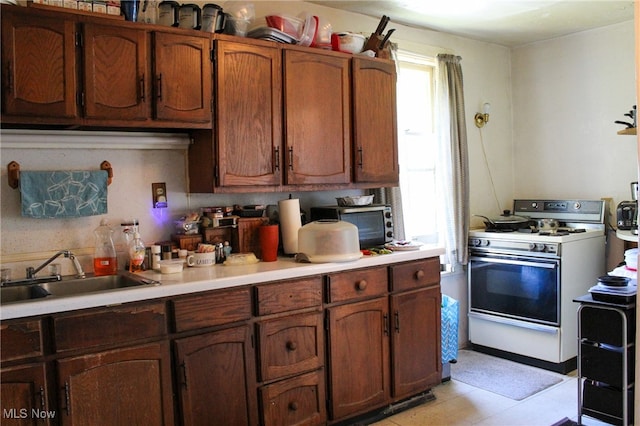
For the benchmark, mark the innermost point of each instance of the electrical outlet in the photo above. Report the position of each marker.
(159, 195)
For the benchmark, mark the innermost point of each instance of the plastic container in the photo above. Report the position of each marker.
(287, 24)
(105, 261)
(347, 42)
(328, 240)
(136, 253)
(172, 266)
(308, 33)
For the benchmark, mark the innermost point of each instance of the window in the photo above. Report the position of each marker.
(417, 147)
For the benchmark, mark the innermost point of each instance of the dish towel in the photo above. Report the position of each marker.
(63, 194)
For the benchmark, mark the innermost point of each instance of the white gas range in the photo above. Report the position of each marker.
(522, 283)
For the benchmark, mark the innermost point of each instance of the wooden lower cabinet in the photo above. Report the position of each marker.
(129, 386)
(415, 341)
(24, 396)
(359, 376)
(215, 375)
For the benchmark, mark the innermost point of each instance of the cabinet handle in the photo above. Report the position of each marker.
(420, 274)
(291, 158)
(293, 406)
(277, 158)
(160, 87)
(397, 318)
(184, 374)
(142, 89)
(291, 346)
(360, 157)
(67, 399)
(9, 77)
(42, 400)
(361, 285)
(385, 319)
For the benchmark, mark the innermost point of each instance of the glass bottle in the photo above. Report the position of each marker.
(105, 261)
(136, 254)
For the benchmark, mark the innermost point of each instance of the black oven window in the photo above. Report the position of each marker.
(517, 290)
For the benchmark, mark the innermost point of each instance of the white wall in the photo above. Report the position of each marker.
(567, 93)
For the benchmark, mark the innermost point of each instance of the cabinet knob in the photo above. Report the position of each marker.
(419, 274)
(293, 406)
(361, 285)
(292, 346)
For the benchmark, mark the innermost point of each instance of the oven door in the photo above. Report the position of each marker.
(514, 286)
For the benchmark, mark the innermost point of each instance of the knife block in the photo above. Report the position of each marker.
(372, 43)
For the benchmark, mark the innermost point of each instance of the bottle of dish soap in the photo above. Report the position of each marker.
(136, 253)
(105, 261)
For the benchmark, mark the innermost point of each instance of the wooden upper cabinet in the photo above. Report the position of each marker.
(182, 77)
(38, 65)
(116, 73)
(248, 114)
(375, 122)
(317, 98)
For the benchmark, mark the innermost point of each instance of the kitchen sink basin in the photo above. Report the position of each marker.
(71, 286)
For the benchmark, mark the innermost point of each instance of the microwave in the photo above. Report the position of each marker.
(374, 222)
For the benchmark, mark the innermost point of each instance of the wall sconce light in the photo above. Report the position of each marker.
(482, 118)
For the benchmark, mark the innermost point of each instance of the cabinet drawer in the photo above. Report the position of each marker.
(20, 339)
(605, 325)
(604, 364)
(290, 345)
(212, 309)
(605, 402)
(289, 295)
(357, 284)
(421, 273)
(109, 326)
(297, 401)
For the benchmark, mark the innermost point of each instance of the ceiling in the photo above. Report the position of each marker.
(507, 22)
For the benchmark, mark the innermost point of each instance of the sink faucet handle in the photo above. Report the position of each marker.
(79, 272)
(31, 272)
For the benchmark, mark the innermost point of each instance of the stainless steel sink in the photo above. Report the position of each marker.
(72, 286)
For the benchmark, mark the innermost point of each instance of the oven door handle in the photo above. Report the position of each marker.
(552, 265)
(521, 324)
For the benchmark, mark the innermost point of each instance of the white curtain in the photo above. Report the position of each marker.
(452, 170)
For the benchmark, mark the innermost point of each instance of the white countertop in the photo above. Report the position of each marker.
(626, 235)
(192, 280)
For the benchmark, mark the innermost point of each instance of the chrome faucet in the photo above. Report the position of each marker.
(31, 272)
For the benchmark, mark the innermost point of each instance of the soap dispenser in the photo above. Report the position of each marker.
(136, 253)
(105, 261)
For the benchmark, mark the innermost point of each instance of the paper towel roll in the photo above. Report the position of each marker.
(290, 222)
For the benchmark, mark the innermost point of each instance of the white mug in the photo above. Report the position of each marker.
(201, 259)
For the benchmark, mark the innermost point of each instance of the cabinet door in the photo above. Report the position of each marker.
(416, 341)
(116, 73)
(358, 357)
(38, 65)
(317, 103)
(248, 114)
(375, 121)
(24, 396)
(217, 378)
(182, 78)
(130, 386)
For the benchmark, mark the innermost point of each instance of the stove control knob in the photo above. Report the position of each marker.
(577, 205)
(474, 242)
(534, 205)
(540, 247)
(532, 247)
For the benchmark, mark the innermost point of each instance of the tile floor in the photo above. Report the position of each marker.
(459, 404)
